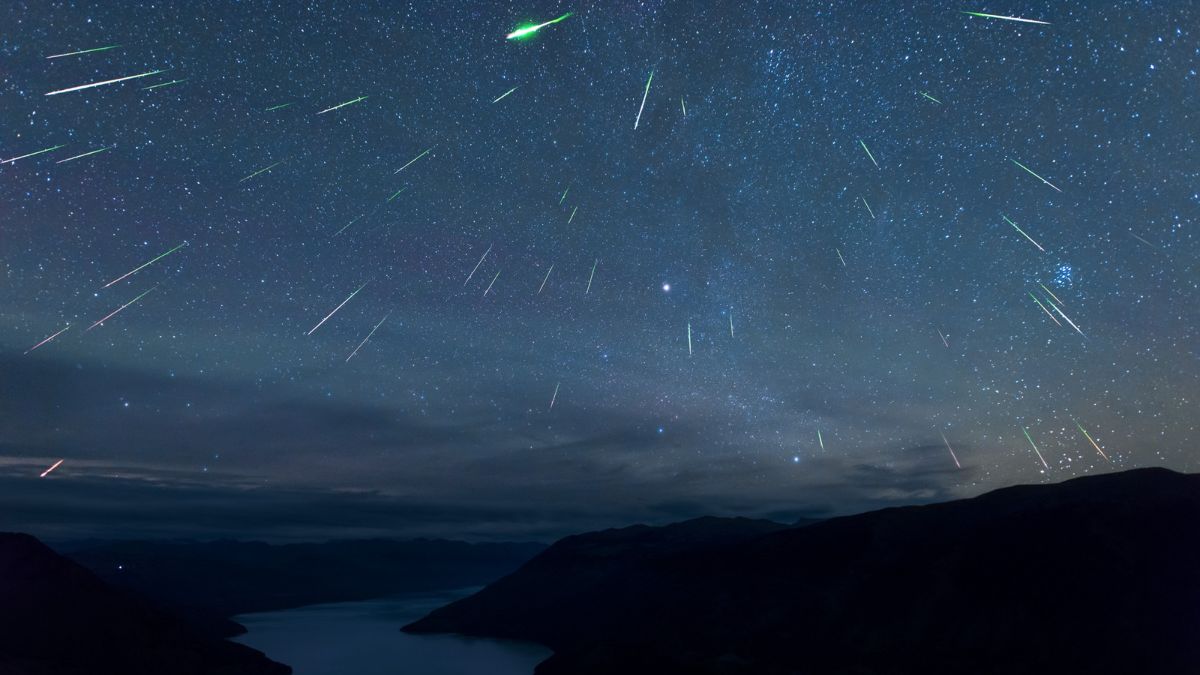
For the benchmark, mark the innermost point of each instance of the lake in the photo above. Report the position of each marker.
(364, 638)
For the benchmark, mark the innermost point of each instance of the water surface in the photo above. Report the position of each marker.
(364, 638)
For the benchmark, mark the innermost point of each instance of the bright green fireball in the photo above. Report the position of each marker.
(525, 31)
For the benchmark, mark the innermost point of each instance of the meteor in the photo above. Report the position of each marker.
(544, 279)
(943, 338)
(593, 276)
(926, 95)
(52, 467)
(63, 161)
(163, 84)
(343, 105)
(560, 199)
(572, 215)
(1089, 437)
(527, 30)
(952, 455)
(868, 151)
(1023, 233)
(731, 322)
(47, 339)
(83, 51)
(644, 95)
(1142, 240)
(1006, 18)
(1051, 293)
(1031, 173)
(683, 105)
(489, 250)
(356, 219)
(360, 345)
(485, 291)
(101, 84)
(1065, 317)
(145, 265)
(555, 396)
(864, 201)
(1039, 304)
(264, 170)
(497, 99)
(117, 310)
(396, 194)
(840, 257)
(411, 161)
(32, 154)
(1035, 447)
(820, 440)
(335, 309)
(281, 106)
(689, 338)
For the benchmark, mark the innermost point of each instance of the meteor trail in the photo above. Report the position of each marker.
(943, 338)
(411, 161)
(1023, 233)
(145, 265)
(592, 276)
(497, 99)
(864, 201)
(47, 339)
(63, 161)
(360, 345)
(83, 51)
(1039, 304)
(1089, 437)
(864, 147)
(1031, 173)
(343, 105)
(689, 338)
(572, 215)
(820, 440)
(115, 311)
(840, 257)
(1006, 18)
(489, 250)
(560, 199)
(396, 194)
(644, 95)
(952, 455)
(544, 279)
(1142, 240)
(731, 322)
(1051, 293)
(101, 84)
(529, 29)
(281, 106)
(485, 291)
(263, 170)
(163, 84)
(926, 95)
(335, 309)
(52, 467)
(1035, 447)
(555, 396)
(683, 105)
(356, 219)
(1065, 317)
(32, 154)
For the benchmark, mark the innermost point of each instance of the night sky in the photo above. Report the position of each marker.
(817, 192)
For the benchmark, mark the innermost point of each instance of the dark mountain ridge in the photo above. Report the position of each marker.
(1098, 574)
(57, 618)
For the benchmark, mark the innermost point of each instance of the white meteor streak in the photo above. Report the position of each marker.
(644, 95)
(115, 311)
(593, 276)
(52, 467)
(544, 279)
(485, 292)
(689, 338)
(366, 339)
(47, 339)
(952, 455)
(32, 154)
(555, 396)
(335, 309)
(485, 253)
(1007, 18)
(101, 84)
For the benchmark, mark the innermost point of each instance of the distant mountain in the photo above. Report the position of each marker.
(57, 618)
(208, 582)
(1094, 575)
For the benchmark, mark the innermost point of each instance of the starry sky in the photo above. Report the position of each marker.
(813, 273)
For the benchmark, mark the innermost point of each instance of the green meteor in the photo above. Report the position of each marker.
(32, 154)
(145, 265)
(163, 84)
(560, 200)
(343, 105)
(411, 161)
(1035, 447)
(62, 161)
(1023, 233)
(926, 95)
(497, 100)
(868, 151)
(523, 32)
(279, 107)
(397, 194)
(264, 170)
(1031, 173)
(84, 51)
(1006, 18)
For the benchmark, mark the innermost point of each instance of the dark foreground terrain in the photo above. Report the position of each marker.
(57, 618)
(208, 582)
(1094, 575)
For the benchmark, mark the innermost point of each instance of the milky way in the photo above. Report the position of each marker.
(931, 230)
